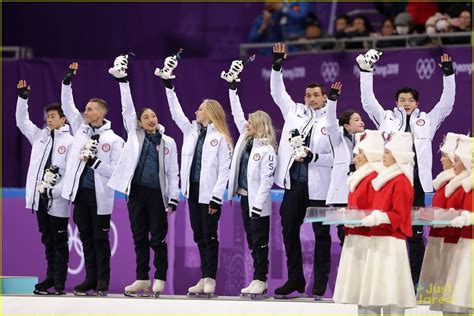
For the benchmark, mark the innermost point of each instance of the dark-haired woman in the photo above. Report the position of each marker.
(147, 172)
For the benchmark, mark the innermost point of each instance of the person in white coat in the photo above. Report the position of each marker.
(305, 180)
(205, 162)
(251, 177)
(147, 171)
(94, 154)
(44, 181)
(407, 117)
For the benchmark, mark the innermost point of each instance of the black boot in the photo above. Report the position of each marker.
(290, 286)
(102, 287)
(42, 287)
(85, 287)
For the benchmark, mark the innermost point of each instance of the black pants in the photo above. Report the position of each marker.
(204, 227)
(257, 230)
(292, 213)
(148, 216)
(54, 238)
(416, 243)
(94, 234)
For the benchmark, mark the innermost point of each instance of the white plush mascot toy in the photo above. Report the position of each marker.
(119, 70)
(50, 178)
(367, 60)
(90, 148)
(233, 74)
(170, 64)
(297, 143)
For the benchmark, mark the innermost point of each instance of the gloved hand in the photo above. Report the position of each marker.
(309, 156)
(71, 72)
(50, 178)
(90, 148)
(233, 74)
(119, 70)
(255, 213)
(22, 89)
(335, 91)
(464, 219)
(215, 206)
(279, 56)
(446, 65)
(171, 207)
(376, 218)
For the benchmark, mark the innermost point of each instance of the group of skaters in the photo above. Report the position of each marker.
(322, 159)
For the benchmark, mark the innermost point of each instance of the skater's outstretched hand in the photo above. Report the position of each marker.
(335, 91)
(71, 72)
(279, 56)
(23, 90)
(446, 65)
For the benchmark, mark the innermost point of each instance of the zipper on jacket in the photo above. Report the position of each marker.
(37, 173)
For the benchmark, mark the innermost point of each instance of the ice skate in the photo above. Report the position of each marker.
(209, 287)
(285, 291)
(158, 287)
(43, 287)
(139, 288)
(258, 290)
(245, 292)
(196, 290)
(102, 288)
(86, 288)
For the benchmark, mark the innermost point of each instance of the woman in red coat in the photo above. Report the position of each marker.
(368, 160)
(458, 296)
(432, 259)
(387, 281)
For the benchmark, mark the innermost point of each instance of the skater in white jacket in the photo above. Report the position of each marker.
(147, 171)
(205, 161)
(44, 181)
(305, 177)
(251, 177)
(407, 117)
(94, 154)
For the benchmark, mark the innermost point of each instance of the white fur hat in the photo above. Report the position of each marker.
(449, 145)
(464, 151)
(371, 143)
(400, 145)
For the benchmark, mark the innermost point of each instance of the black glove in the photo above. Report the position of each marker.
(233, 85)
(124, 79)
(352, 168)
(255, 212)
(447, 68)
(168, 83)
(214, 205)
(23, 92)
(172, 206)
(68, 76)
(91, 161)
(309, 157)
(278, 59)
(333, 94)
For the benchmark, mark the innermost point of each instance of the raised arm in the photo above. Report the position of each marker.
(23, 122)
(446, 103)
(332, 123)
(176, 110)
(237, 112)
(67, 100)
(277, 86)
(370, 104)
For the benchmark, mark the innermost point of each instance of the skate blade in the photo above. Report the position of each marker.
(259, 296)
(88, 293)
(101, 293)
(156, 295)
(289, 296)
(41, 292)
(201, 295)
(245, 295)
(136, 294)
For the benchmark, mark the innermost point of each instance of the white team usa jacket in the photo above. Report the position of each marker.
(41, 142)
(338, 188)
(297, 116)
(108, 153)
(261, 165)
(167, 154)
(216, 158)
(423, 125)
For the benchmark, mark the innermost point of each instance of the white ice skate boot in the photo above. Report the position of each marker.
(138, 288)
(209, 287)
(158, 287)
(197, 289)
(258, 290)
(367, 61)
(245, 292)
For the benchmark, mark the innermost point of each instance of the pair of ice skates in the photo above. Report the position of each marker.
(141, 288)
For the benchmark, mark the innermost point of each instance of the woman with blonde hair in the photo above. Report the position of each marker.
(205, 161)
(251, 177)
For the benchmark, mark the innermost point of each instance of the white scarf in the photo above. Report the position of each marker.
(455, 183)
(442, 178)
(386, 175)
(354, 179)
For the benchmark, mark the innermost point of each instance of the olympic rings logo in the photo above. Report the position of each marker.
(329, 71)
(75, 242)
(425, 67)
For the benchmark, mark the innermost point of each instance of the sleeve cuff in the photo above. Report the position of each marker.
(216, 200)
